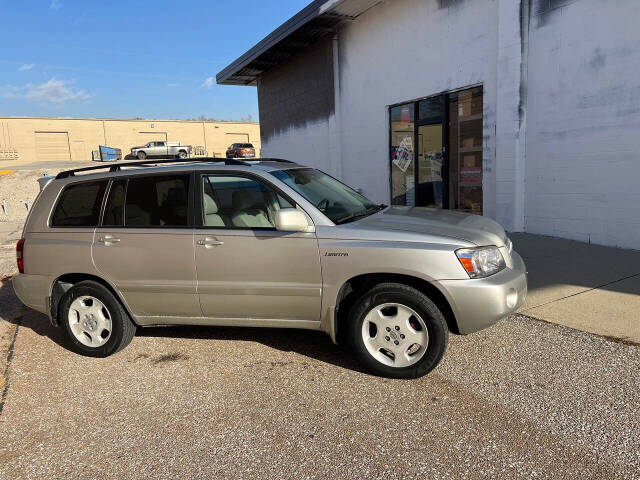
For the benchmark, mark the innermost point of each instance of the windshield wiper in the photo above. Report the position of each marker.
(352, 216)
(364, 213)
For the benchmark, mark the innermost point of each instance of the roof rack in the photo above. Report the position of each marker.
(150, 163)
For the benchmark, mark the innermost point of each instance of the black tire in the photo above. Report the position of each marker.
(123, 329)
(422, 305)
(141, 155)
(182, 154)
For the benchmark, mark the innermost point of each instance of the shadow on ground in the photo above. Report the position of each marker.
(312, 344)
(556, 262)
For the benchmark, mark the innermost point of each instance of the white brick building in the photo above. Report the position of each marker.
(527, 111)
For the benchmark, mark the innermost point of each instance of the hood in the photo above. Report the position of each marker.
(435, 222)
(143, 146)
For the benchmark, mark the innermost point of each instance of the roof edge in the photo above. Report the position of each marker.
(343, 9)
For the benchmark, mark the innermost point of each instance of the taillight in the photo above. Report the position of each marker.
(242, 151)
(20, 255)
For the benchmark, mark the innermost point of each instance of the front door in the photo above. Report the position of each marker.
(430, 166)
(144, 246)
(157, 149)
(247, 270)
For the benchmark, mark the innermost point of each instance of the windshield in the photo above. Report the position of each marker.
(333, 198)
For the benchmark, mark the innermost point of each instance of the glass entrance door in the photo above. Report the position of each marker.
(430, 166)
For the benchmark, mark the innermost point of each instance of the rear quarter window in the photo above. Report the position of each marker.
(79, 205)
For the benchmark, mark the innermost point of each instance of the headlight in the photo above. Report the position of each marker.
(482, 261)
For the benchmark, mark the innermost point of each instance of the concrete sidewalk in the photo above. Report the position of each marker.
(587, 287)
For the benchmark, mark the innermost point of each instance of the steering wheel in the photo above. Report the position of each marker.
(323, 204)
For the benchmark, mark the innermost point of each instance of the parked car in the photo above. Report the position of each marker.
(266, 244)
(241, 150)
(162, 149)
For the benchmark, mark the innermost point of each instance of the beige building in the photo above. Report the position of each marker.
(25, 140)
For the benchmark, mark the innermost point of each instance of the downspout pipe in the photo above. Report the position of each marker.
(521, 146)
(337, 110)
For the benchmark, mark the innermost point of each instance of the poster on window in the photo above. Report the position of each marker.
(403, 154)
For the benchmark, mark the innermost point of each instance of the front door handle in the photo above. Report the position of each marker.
(108, 240)
(210, 242)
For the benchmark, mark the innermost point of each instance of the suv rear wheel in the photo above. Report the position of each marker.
(94, 321)
(398, 332)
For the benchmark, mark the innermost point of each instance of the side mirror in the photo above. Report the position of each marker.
(292, 220)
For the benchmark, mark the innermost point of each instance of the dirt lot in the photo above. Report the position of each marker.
(523, 399)
(16, 189)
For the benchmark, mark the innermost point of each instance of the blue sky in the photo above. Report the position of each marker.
(124, 59)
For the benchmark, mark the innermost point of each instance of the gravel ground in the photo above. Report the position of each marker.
(523, 399)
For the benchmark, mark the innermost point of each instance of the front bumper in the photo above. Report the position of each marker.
(479, 303)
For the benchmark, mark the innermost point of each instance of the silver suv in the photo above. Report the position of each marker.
(263, 244)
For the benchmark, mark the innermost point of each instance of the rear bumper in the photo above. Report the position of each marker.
(479, 303)
(33, 291)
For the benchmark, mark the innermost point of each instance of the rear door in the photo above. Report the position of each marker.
(144, 246)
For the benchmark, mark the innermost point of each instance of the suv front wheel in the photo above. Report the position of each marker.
(94, 321)
(398, 332)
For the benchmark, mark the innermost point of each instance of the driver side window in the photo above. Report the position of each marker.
(237, 202)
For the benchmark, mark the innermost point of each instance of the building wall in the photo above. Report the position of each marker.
(561, 107)
(298, 93)
(19, 137)
(583, 121)
(401, 51)
(297, 109)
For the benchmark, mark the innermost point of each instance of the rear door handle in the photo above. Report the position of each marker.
(210, 242)
(108, 240)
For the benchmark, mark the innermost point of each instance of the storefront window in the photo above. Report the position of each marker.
(402, 152)
(465, 150)
(448, 132)
(431, 109)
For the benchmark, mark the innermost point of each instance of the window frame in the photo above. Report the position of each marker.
(417, 123)
(190, 200)
(61, 195)
(199, 192)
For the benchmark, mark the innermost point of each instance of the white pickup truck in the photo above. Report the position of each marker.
(162, 149)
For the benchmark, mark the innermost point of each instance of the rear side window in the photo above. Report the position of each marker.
(114, 209)
(79, 205)
(157, 201)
